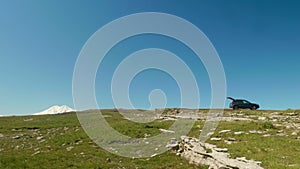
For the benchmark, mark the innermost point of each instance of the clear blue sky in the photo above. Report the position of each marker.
(258, 42)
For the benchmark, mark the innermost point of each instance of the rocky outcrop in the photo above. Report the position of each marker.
(200, 153)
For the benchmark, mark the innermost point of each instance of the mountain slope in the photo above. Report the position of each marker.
(56, 110)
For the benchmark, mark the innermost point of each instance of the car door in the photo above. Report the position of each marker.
(246, 104)
(239, 103)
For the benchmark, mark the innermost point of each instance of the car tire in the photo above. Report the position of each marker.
(235, 107)
(253, 108)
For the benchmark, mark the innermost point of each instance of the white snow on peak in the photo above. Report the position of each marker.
(56, 110)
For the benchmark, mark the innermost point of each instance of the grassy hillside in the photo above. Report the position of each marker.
(58, 141)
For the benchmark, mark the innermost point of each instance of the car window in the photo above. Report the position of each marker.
(245, 102)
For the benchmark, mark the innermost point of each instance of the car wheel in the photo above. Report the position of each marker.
(253, 108)
(235, 107)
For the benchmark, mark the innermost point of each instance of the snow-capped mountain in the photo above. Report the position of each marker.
(55, 110)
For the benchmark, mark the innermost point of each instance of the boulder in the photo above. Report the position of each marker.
(207, 154)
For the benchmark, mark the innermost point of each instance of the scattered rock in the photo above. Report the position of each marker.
(16, 137)
(228, 142)
(281, 134)
(238, 132)
(147, 135)
(17, 147)
(294, 133)
(196, 152)
(230, 119)
(209, 133)
(27, 120)
(277, 125)
(231, 139)
(42, 141)
(1, 135)
(167, 118)
(166, 131)
(255, 131)
(241, 158)
(38, 152)
(108, 160)
(262, 118)
(77, 142)
(173, 144)
(260, 132)
(69, 148)
(40, 138)
(225, 131)
(221, 149)
(215, 139)
(292, 114)
(153, 155)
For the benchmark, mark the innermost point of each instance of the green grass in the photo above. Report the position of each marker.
(276, 152)
(62, 131)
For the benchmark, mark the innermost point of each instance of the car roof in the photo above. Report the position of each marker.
(241, 100)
